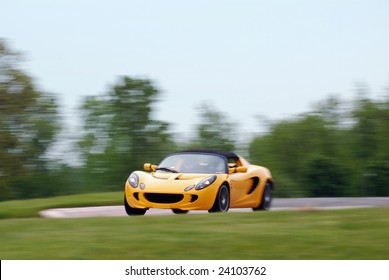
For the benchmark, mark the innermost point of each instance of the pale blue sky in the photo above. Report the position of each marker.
(273, 58)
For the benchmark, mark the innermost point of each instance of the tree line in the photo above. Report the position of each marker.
(336, 149)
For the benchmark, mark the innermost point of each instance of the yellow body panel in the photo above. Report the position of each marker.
(246, 189)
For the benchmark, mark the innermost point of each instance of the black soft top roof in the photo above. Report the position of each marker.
(216, 152)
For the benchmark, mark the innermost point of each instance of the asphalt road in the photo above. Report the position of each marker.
(279, 204)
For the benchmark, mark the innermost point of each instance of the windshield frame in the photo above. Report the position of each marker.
(194, 163)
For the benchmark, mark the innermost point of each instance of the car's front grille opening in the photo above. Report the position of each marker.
(163, 197)
(136, 195)
(194, 197)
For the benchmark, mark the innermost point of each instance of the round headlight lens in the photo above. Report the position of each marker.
(133, 180)
(206, 182)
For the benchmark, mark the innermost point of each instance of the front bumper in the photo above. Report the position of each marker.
(171, 198)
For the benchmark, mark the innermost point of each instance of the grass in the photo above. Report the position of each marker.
(339, 234)
(30, 208)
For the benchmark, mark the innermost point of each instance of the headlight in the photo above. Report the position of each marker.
(188, 188)
(205, 182)
(133, 180)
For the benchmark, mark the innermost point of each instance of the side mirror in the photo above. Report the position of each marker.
(240, 169)
(149, 167)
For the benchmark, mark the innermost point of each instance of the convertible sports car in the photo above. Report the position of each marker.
(199, 180)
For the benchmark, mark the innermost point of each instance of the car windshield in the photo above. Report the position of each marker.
(193, 163)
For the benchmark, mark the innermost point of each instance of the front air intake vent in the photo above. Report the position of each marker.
(254, 185)
(163, 197)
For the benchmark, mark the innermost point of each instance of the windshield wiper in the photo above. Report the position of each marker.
(166, 169)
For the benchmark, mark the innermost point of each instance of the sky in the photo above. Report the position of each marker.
(252, 60)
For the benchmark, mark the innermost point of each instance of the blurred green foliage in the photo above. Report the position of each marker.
(28, 125)
(215, 130)
(120, 133)
(336, 149)
(331, 151)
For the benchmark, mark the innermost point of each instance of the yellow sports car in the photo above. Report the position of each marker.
(199, 180)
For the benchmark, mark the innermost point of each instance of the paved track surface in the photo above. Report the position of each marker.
(279, 204)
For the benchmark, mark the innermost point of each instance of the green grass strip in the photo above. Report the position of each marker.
(338, 234)
(31, 207)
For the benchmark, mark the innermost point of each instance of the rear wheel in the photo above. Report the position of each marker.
(179, 211)
(266, 198)
(133, 211)
(222, 201)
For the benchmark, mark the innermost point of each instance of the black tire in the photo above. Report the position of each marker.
(222, 200)
(133, 211)
(266, 199)
(179, 211)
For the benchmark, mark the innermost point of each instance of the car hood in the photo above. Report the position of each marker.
(174, 180)
(178, 176)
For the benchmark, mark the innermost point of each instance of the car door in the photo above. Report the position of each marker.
(241, 186)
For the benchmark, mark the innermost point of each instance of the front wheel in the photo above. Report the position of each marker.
(265, 203)
(133, 211)
(222, 200)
